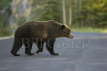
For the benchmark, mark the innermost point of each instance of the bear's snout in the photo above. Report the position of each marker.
(70, 36)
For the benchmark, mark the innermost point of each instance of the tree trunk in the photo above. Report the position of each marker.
(70, 12)
(64, 12)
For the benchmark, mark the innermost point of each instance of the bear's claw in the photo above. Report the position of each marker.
(55, 54)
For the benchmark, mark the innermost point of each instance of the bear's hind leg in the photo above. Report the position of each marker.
(16, 46)
(28, 46)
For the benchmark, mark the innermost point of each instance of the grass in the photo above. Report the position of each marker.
(89, 29)
(5, 32)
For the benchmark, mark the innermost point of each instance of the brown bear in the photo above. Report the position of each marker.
(39, 32)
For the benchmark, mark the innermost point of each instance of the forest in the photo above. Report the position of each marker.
(79, 15)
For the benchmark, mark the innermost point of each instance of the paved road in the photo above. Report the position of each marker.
(86, 52)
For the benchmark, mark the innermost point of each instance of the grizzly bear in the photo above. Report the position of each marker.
(39, 32)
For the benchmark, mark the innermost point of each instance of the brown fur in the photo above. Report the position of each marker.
(39, 32)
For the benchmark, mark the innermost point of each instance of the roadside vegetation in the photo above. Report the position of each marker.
(81, 15)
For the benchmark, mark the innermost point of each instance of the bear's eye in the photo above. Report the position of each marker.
(66, 31)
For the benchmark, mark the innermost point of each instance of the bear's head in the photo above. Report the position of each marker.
(65, 31)
(60, 30)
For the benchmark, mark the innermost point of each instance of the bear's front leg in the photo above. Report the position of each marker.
(50, 47)
(51, 51)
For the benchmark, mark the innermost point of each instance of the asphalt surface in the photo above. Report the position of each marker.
(86, 52)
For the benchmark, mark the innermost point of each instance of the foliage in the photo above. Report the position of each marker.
(85, 13)
(4, 3)
(51, 9)
(93, 13)
(4, 30)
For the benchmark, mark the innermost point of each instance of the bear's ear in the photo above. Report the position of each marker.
(63, 26)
